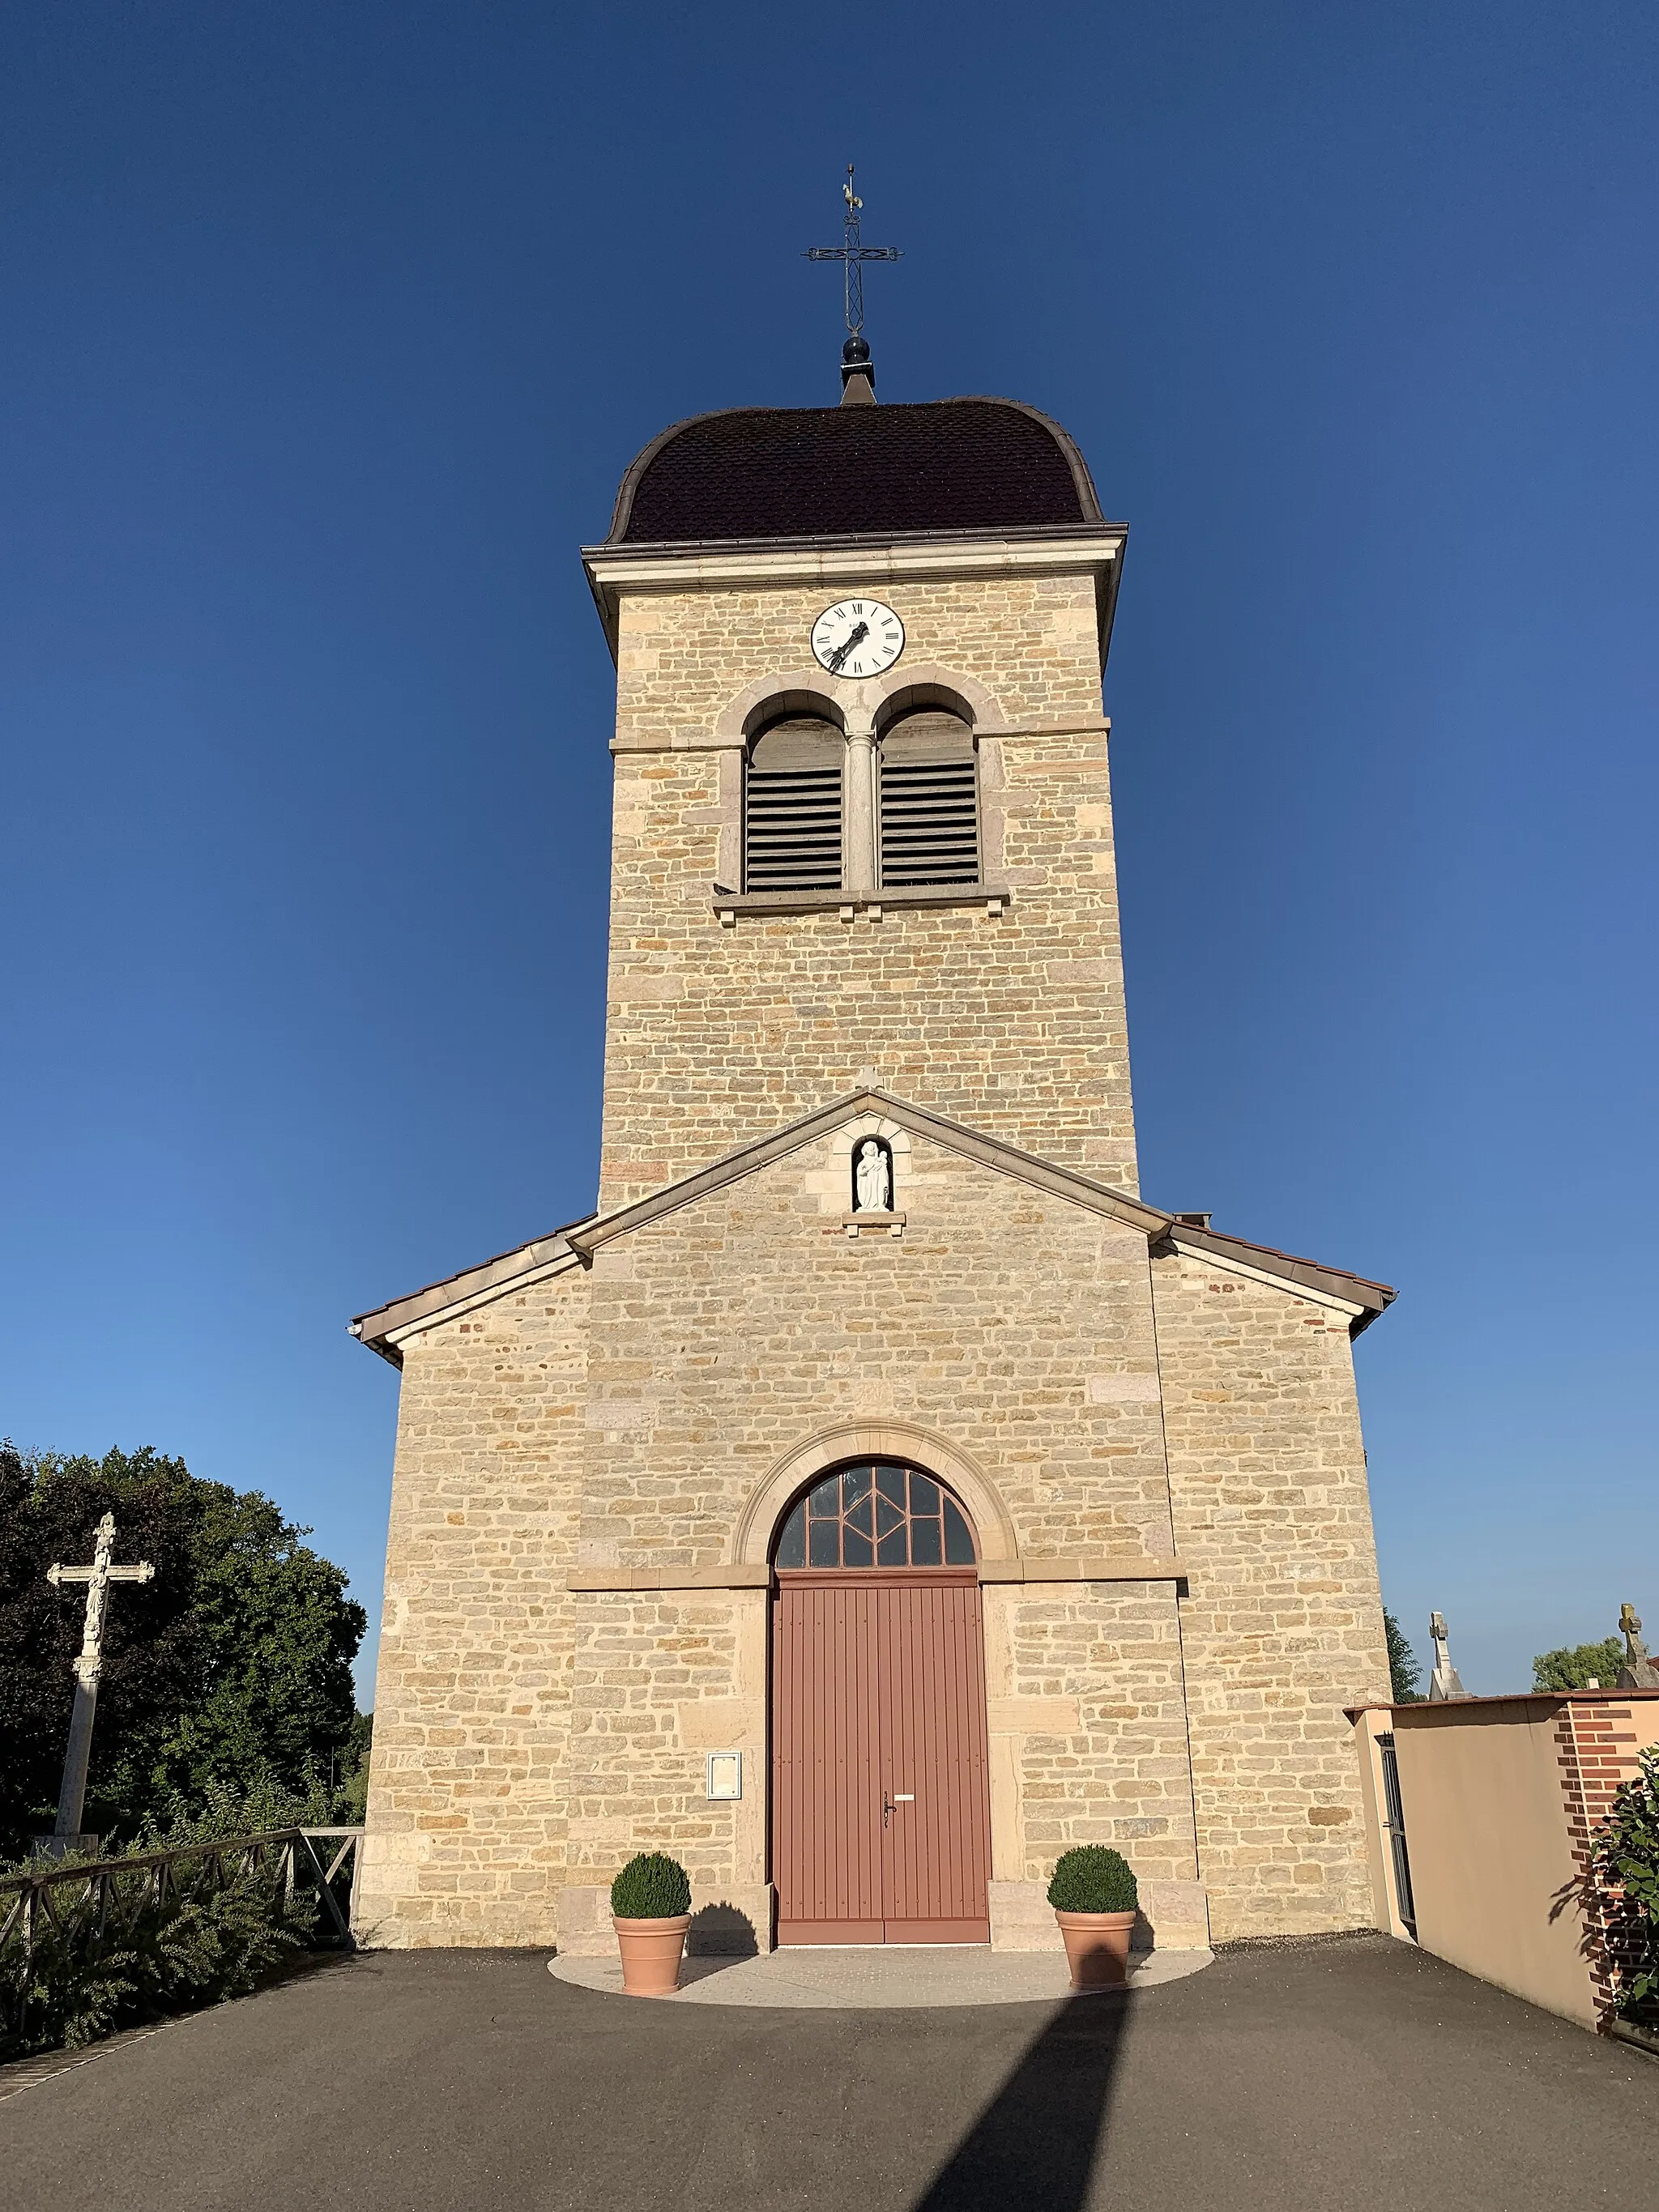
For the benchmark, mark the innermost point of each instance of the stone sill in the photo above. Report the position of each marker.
(1105, 1568)
(668, 1578)
(728, 905)
(893, 1223)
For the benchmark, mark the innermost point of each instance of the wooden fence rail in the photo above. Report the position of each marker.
(97, 1897)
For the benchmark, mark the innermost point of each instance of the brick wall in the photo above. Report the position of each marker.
(1597, 1742)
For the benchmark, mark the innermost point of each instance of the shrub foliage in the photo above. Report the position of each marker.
(213, 1935)
(651, 1887)
(1626, 1858)
(1576, 1665)
(1404, 1671)
(1092, 1879)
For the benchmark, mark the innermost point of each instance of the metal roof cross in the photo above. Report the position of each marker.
(853, 253)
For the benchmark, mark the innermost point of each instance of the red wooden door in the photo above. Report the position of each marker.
(880, 1786)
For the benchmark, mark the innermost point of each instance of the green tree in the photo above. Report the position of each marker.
(1576, 1665)
(1404, 1673)
(1625, 1855)
(232, 1667)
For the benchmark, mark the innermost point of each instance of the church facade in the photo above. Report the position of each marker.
(875, 1496)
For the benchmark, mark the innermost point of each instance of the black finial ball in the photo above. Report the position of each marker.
(856, 351)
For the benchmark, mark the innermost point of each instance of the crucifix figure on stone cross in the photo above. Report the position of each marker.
(858, 374)
(71, 1798)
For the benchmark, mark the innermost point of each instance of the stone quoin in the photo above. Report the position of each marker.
(1086, 1554)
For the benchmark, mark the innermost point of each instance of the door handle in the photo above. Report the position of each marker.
(889, 1805)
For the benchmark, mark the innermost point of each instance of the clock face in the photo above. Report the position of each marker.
(857, 637)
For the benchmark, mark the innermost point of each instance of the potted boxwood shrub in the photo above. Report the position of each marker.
(651, 1911)
(1093, 1894)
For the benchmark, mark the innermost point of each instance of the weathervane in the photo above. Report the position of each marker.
(853, 253)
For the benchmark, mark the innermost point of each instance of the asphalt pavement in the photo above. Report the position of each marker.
(1347, 2073)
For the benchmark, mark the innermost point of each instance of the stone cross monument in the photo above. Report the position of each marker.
(1638, 1671)
(1445, 1681)
(71, 1798)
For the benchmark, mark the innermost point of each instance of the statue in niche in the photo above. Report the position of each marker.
(873, 1178)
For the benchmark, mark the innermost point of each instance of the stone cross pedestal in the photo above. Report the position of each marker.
(1638, 1671)
(1445, 1681)
(72, 1797)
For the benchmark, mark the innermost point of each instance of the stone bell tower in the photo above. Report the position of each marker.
(874, 1497)
(863, 825)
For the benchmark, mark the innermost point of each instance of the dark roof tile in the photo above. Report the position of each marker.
(947, 465)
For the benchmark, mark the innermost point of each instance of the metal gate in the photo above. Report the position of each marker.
(1393, 1820)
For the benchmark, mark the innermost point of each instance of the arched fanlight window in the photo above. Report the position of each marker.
(877, 1514)
(929, 800)
(792, 806)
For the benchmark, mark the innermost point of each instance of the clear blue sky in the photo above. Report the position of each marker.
(328, 331)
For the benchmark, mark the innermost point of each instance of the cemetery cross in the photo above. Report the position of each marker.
(71, 1798)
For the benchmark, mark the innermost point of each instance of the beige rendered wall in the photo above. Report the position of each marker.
(1282, 1627)
(1014, 1024)
(1492, 1868)
(1485, 1786)
(467, 1793)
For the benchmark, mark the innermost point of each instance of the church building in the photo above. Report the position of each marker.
(875, 1495)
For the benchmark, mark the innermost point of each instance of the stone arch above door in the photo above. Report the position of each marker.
(752, 1536)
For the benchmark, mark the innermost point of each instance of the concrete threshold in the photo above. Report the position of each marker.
(879, 1976)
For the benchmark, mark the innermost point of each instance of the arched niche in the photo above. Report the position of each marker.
(877, 1439)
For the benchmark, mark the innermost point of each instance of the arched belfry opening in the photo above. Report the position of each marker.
(880, 1759)
(927, 809)
(791, 817)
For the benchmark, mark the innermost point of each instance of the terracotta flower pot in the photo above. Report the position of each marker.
(651, 1953)
(1096, 1948)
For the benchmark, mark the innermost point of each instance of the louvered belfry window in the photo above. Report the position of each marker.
(929, 811)
(792, 806)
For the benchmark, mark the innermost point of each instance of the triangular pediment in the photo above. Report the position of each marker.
(917, 1121)
(574, 1245)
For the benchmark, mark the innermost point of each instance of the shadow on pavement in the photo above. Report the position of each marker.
(1034, 2142)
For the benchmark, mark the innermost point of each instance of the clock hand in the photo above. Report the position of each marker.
(859, 631)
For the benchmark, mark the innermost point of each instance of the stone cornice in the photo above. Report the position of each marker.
(1093, 550)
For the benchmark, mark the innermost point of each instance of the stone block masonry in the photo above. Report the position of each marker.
(1014, 1024)
(530, 1736)
(1282, 1627)
(1179, 1595)
(467, 1811)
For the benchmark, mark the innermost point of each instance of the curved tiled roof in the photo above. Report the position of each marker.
(860, 472)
